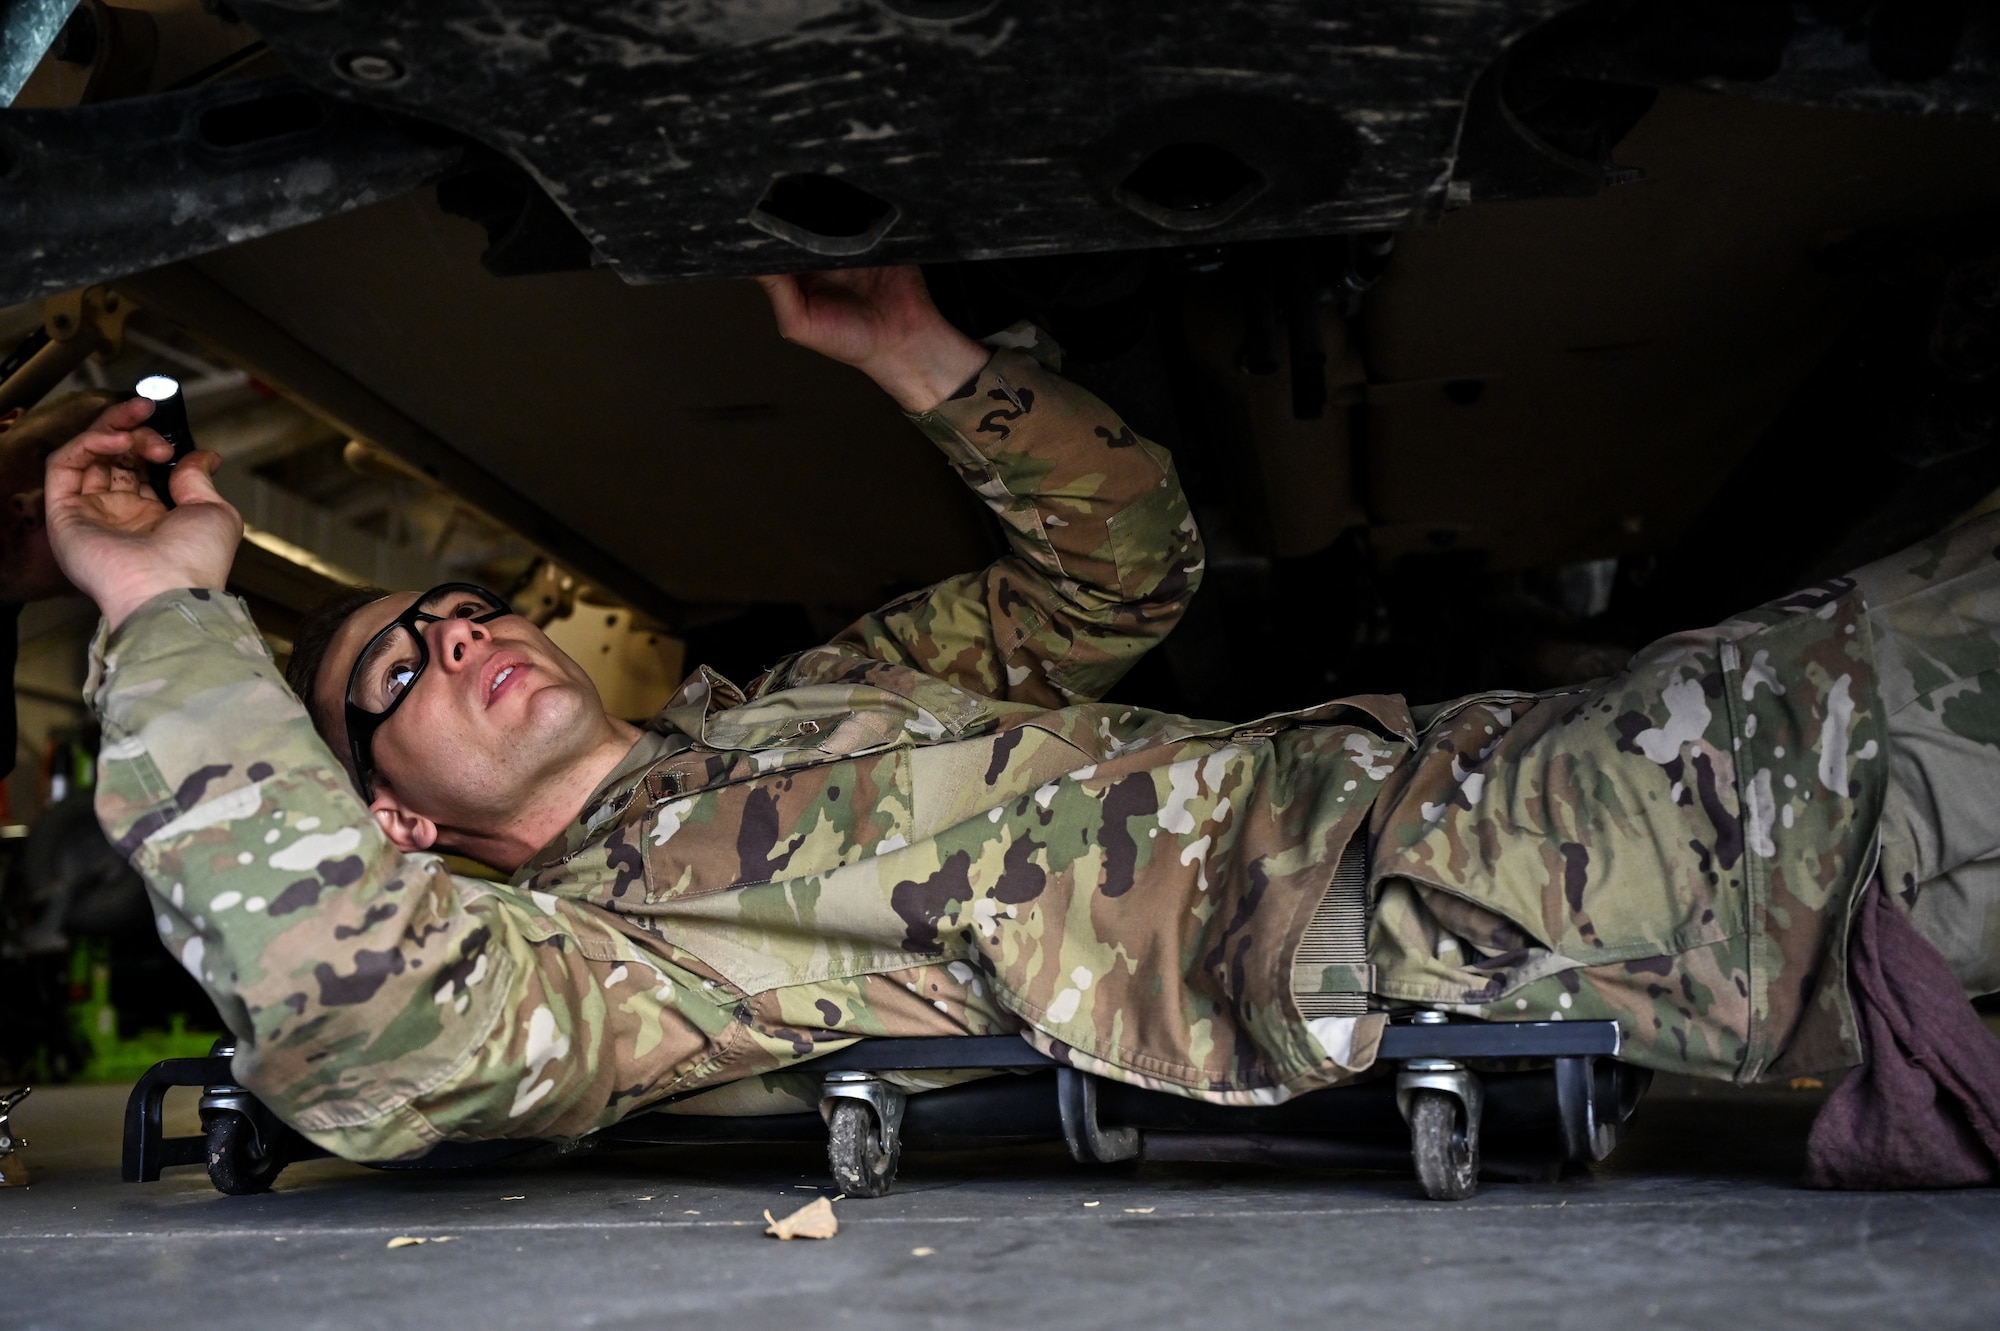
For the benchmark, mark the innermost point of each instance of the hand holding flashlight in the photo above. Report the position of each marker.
(115, 540)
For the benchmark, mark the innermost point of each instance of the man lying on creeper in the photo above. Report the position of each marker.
(930, 825)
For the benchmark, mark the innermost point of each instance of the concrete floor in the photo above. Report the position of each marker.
(1695, 1222)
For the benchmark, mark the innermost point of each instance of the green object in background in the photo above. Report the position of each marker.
(95, 1021)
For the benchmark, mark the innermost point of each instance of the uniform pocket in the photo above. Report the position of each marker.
(1145, 532)
(1604, 823)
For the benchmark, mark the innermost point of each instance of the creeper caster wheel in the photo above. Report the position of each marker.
(861, 1165)
(240, 1163)
(1446, 1150)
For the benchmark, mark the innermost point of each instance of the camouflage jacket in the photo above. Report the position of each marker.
(929, 826)
(924, 826)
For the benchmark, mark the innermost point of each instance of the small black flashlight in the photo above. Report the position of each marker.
(170, 421)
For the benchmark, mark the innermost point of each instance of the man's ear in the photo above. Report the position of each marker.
(406, 831)
(10, 417)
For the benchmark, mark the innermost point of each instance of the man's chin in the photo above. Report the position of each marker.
(559, 721)
(556, 706)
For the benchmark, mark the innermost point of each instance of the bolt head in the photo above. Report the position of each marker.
(370, 67)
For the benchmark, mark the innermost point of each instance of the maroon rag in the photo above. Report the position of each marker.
(1923, 1109)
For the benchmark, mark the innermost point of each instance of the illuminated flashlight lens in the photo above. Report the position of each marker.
(158, 387)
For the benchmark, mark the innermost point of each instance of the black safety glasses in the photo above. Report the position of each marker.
(389, 666)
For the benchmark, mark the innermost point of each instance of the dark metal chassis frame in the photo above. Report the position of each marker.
(1341, 117)
(1528, 1074)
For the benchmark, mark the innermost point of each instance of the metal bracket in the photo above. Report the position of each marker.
(148, 1149)
(1441, 1074)
(1440, 1038)
(879, 1095)
(937, 1051)
(1089, 1142)
(1424, 1038)
(94, 316)
(226, 1096)
(75, 325)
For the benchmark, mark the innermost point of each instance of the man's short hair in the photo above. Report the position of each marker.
(315, 637)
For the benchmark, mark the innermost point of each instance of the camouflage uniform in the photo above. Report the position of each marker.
(929, 826)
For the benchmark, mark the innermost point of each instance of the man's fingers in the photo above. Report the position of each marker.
(123, 415)
(788, 302)
(143, 444)
(107, 437)
(100, 451)
(191, 481)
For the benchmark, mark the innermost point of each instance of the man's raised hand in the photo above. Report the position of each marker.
(882, 322)
(115, 540)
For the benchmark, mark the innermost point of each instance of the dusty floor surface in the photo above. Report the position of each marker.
(1695, 1222)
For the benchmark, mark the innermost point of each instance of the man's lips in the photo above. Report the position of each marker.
(502, 673)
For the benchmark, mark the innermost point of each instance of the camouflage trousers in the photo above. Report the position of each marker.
(1676, 848)
(1680, 847)
(1935, 613)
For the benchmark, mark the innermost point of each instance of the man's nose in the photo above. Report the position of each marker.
(452, 642)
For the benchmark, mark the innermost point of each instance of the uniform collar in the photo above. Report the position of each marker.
(611, 796)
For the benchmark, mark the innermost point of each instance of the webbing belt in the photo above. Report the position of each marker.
(1331, 976)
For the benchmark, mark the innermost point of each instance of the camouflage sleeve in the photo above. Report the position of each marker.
(1105, 554)
(379, 1003)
